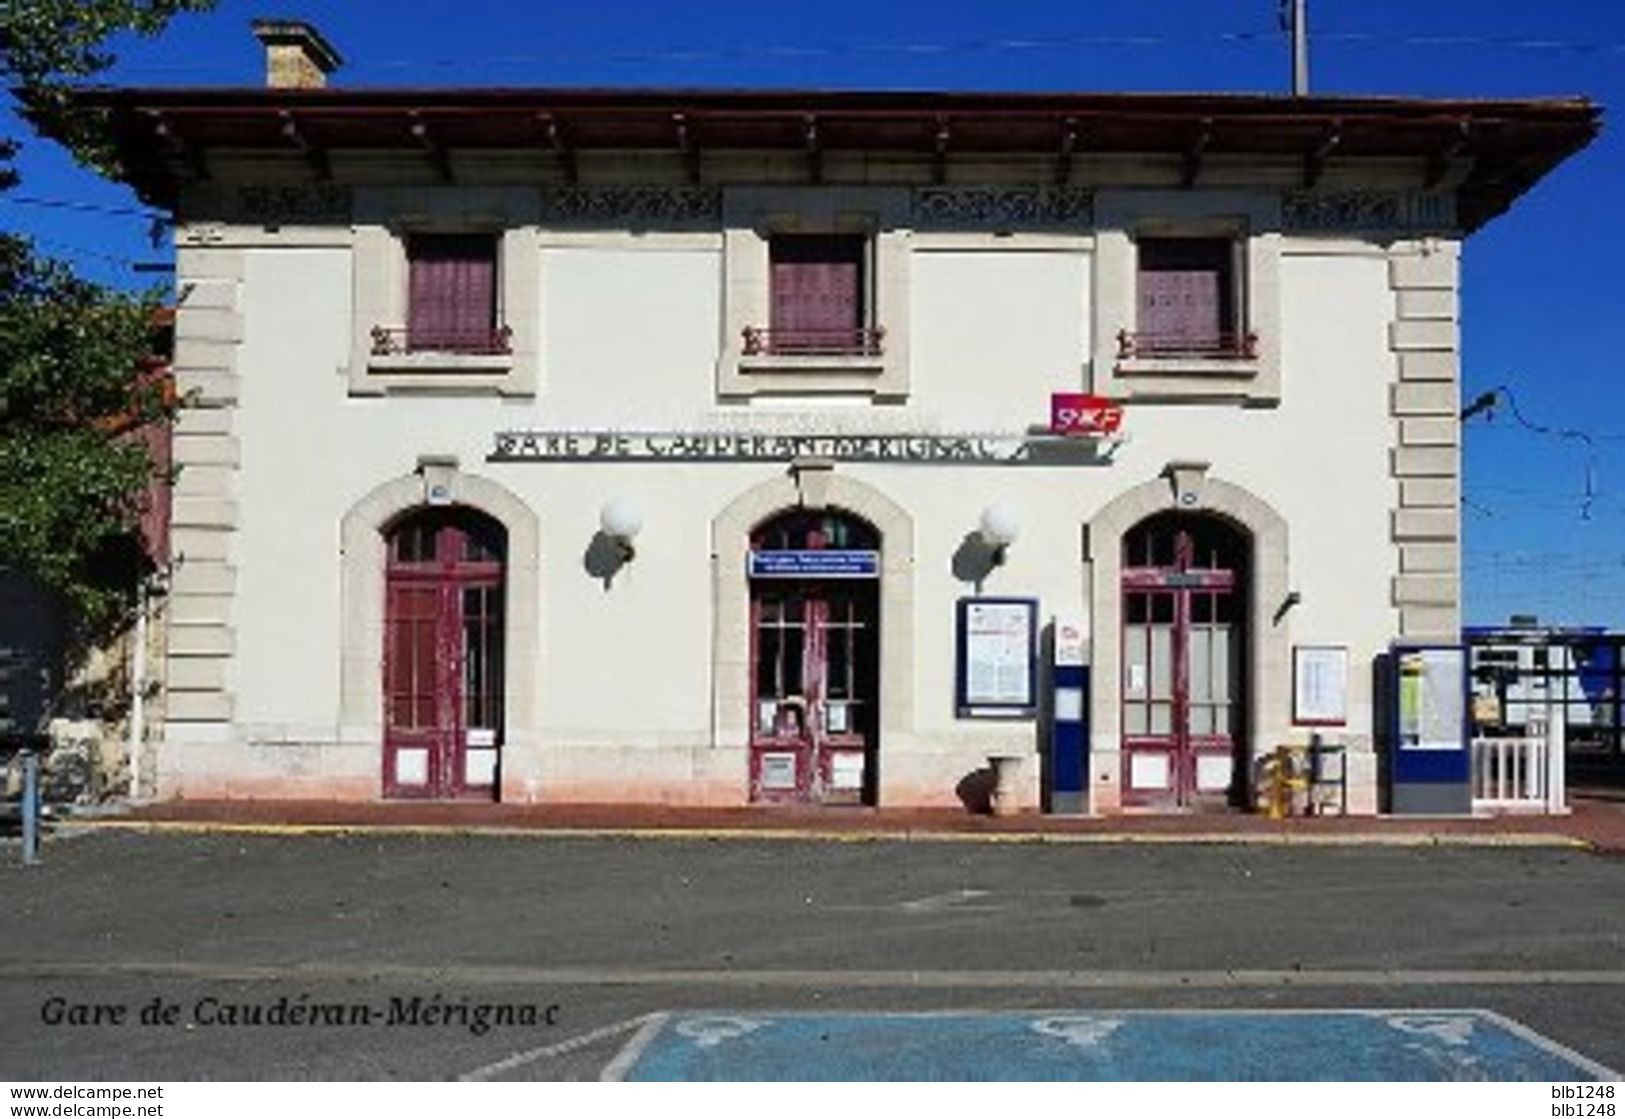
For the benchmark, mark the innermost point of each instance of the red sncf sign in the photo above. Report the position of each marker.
(1081, 413)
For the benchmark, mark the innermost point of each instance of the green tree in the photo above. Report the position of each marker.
(71, 476)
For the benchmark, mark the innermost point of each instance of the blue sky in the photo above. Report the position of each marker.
(1545, 513)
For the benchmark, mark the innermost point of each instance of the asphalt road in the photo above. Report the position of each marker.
(571, 942)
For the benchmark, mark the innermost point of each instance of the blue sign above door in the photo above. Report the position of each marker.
(820, 563)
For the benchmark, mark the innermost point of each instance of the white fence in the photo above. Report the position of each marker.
(1521, 774)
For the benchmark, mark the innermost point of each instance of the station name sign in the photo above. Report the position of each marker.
(723, 446)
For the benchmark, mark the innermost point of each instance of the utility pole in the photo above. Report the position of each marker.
(1295, 20)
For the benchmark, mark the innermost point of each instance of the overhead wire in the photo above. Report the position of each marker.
(84, 207)
(71, 249)
(1503, 394)
(1518, 42)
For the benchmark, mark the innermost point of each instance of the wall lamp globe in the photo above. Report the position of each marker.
(999, 528)
(621, 522)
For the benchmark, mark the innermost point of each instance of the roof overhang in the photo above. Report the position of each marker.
(1510, 144)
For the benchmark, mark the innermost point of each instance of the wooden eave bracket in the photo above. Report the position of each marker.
(687, 147)
(1069, 147)
(553, 139)
(1314, 162)
(1191, 163)
(436, 152)
(172, 142)
(1438, 165)
(315, 155)
(815, 151)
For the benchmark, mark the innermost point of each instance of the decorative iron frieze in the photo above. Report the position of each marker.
(1002, 207)
(632, 204)
(294, 204)
(1410, 211)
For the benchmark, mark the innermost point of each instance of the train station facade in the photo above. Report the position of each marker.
(729, 448)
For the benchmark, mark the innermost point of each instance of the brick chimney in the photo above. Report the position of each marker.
(296, 55)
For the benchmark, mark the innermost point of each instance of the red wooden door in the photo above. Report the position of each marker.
(815, 672)
(1182, 693)
(813, 699)
(443, 669)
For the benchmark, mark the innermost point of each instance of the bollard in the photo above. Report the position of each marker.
(1005, 797)
(30, 808)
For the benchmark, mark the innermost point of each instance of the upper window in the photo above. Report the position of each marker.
(451, 305)
(1187, 297)
(1189, 302)
(819, 297)
(815, 292)
(446, 294)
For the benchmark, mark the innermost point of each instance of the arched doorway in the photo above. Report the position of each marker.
(1184, 682)
(814, 655)
(443, 654)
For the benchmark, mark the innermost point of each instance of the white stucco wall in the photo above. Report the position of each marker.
(630, 339)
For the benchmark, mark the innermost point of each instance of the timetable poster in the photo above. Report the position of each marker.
(996, 667)
(1432, 705)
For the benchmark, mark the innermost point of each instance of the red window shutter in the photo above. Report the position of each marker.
(1185, 293)
(817, 286)
(425, 315)
(452, 293)
(1180, 308)
(815, 297)
(473, 311)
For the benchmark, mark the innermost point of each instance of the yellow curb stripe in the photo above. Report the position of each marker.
(1277, 839)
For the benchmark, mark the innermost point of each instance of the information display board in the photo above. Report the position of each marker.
(1320, 678)
(1432, 699)
(997, 639)
(1424, 693)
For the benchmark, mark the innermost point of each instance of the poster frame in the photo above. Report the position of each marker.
(1302, 714)
(967, 706)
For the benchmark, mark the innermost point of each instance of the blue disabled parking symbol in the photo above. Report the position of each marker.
(1105, 1045)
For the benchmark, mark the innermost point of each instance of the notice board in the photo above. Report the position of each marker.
(996, 642)
(1432, 699)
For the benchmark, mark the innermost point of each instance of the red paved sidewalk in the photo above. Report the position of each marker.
(1597, 822)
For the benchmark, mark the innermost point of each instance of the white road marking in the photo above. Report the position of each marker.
(557, 1049)
(953, 898)
(1082, 1031)
(633, 1049)
(1088, 1030)
(712, 1031)
(1556, 1048)
(1448, 1028)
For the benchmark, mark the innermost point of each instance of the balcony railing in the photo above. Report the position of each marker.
(861, 341)
(1219, 347)
(394, 341)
